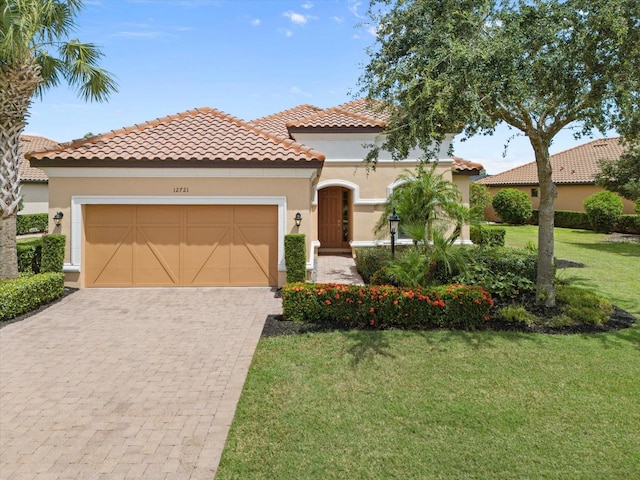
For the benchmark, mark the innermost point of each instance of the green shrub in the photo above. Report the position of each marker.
(569, 219)
(52, 253)
(636, 207)
(489, 237)
(32, 222)
(479, 199)
(370, 260)
(505, 272)
(295, 257)
(604, 210)
(582, 306)
(29, 255)
(358, 306)
(512, 206)
(628, 224)
(28, 293)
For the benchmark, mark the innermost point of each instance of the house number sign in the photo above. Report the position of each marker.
(180, 189)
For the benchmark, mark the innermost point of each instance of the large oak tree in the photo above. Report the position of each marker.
(449, 66)
(36, 53)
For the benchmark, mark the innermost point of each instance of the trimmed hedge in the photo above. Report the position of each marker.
(359, 306)
(489, 237)
(39, 222)
(512, 206)
(371, 259)
(52, 253)
(28, 293)
(29, 255)
(294, 257)
(628, 224)
(603, 209)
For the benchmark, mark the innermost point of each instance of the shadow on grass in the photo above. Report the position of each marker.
(366, 345)
(620, 338)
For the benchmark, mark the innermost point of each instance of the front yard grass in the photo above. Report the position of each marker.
(440, 404)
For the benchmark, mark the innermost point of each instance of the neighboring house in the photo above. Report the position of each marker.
(203, 198)
(573, 173)
(33, 181)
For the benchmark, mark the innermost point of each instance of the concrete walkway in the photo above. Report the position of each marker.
(127, 383)
(337, 269)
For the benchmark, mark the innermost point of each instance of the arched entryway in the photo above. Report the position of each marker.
(334, 219)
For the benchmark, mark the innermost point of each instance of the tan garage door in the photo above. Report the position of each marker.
(186, 245)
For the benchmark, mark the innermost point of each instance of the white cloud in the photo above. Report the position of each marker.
(296, 18)
(255, 22)
(297, 91)
(337, 19)
(353, 8)
(307, 5)
(286, 32)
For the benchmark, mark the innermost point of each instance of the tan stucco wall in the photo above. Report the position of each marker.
(296, 191)
(370, 188)
(35, 197)
(570, 197)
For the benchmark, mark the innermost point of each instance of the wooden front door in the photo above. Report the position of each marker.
(333, 217)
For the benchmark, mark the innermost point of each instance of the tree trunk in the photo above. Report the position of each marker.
(18, 83)
(545, 290)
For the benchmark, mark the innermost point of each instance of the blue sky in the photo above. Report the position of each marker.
(248, 58)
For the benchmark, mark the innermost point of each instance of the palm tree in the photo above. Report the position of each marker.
(422, 200)
(36, 54)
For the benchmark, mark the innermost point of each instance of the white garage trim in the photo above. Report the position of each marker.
(77, 221)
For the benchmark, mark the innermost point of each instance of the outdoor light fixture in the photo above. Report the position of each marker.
(298, 219)
(57, 218)
(394, 222)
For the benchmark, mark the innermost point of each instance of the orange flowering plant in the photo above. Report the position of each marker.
(385, 306)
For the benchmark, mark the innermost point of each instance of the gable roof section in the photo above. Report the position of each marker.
(578, 165)
(466, 167)
(358, 115)
(28, 144)
(276, 124)
(201, 137)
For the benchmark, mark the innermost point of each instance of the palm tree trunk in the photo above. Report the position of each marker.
(17, 86)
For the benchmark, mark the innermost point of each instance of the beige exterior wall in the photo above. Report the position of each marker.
(35, 197)
(290, 188)
(570, 197)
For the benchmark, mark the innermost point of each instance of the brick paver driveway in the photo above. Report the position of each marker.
(127, 383)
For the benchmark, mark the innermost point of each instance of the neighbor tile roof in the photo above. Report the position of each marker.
(576, 165)
(276, 124)
(205, 135)
(31, 143)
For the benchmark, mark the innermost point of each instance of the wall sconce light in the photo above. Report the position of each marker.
(57, 218)
(298, 219)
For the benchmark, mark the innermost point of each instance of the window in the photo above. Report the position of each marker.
(534, 192)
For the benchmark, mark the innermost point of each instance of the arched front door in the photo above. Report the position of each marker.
(333, 217)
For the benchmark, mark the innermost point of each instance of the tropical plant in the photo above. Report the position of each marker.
(36, 54)
(422, 200)
(442, 67)
(479, 199)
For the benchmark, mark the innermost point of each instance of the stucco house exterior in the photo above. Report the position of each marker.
(204, 198)
(573, 173)
(33, 181)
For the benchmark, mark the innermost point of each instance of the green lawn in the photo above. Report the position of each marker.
(459, 405)
(612, 269)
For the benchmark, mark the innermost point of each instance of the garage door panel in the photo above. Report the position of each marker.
(157, 256)
(181, 245)
(111, 257)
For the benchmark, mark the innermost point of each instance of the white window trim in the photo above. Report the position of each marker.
(78, 201)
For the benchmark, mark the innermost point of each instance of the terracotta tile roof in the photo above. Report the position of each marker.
(576, 165)
(206, 135)
(276, 124)
(352, 115)
(367, 108)
(31, 143)
(466, 166)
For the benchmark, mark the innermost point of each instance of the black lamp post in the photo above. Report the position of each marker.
(394, 222)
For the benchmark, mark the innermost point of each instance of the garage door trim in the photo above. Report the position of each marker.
(78, 201)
